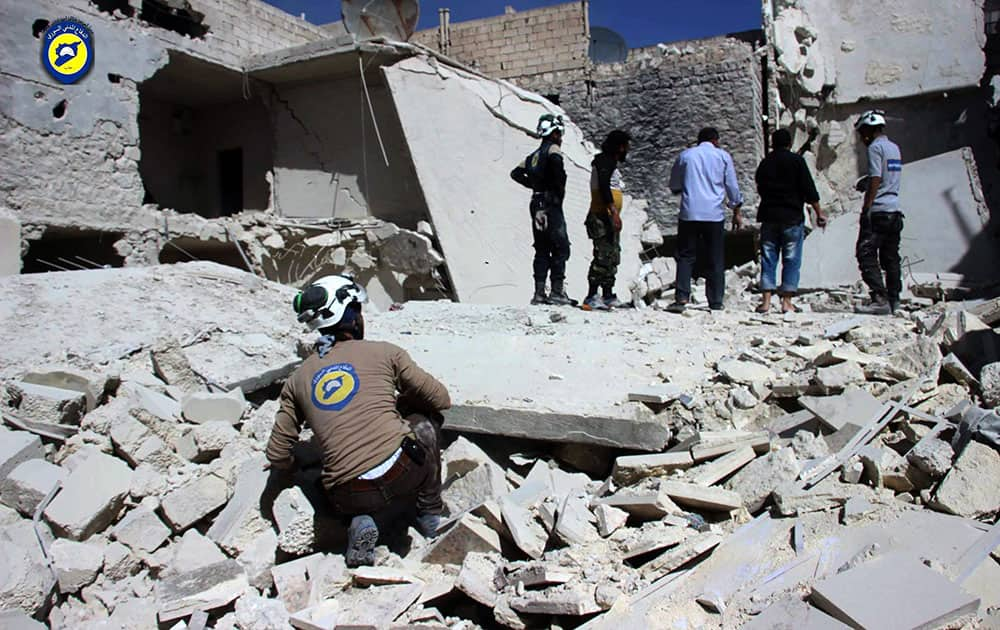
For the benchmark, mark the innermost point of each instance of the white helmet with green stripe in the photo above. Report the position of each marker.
(549, 124)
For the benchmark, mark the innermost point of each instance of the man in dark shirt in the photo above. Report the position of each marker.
(604, 222)
(785, 186)
(543, 172)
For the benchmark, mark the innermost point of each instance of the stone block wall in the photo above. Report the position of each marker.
(519, 44)
(663, 98)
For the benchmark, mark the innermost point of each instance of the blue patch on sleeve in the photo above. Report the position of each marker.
(894, 165)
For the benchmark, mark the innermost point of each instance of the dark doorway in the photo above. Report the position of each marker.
(230, 182)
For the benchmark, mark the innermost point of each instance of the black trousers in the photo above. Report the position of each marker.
(548, 226)
(701, 243)
(877, 251)
(407, 482)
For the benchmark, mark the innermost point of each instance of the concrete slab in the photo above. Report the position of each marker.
(76, 564)
(970, 488)
(469, 534)
(203, 589)
(240, 522)
(485, 200)
(29, 483)
(141, 530)
(855, 406)
(681, 555)
(910, 595)
(631, 468)
(701, 497)
(649, 506)
(713, 472)
(17, 447)
(192, 502)
(945, 226)
(793, 614)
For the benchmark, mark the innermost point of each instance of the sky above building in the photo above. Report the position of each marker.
(640, 22)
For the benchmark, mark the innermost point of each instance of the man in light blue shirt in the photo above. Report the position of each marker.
(705, 177)
(881, 222)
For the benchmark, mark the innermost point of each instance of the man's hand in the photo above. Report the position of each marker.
(737, 221)
(821, 221)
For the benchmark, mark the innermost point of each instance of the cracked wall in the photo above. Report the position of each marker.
(327, 159)
(69, 155)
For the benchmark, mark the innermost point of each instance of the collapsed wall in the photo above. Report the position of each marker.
(922, 65)
(663, 96)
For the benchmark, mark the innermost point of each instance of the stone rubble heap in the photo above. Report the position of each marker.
(133, 494)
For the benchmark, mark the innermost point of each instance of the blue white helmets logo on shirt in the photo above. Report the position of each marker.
(334, 387)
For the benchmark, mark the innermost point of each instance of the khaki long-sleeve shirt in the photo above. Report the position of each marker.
(348, 399)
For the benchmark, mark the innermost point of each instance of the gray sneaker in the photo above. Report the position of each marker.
(875, 307)
(614, 302)
(595, 303)
(561, 299)
(362, 536)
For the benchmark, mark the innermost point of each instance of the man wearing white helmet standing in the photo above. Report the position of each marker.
(881, 221)
(543, 172)
(375, 462)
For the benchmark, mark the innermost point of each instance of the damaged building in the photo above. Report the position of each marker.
(632, 469)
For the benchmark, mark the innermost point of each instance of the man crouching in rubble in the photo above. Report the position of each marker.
(375, 463)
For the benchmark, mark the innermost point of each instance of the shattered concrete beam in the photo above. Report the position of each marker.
(637, 435)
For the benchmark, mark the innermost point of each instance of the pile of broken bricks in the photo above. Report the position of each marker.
(814, 467)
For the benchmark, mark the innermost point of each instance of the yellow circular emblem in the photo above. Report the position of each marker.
(334, 387)
(68, 50)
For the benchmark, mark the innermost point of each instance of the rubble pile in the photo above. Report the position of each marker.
(813, 460)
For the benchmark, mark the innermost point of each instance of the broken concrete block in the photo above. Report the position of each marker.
(650, 506)
(17, 619)
(681, 555)
(629, 469)
(380, 576)
(656, 395)
(259, 558)
(141, 530)
(17, 447)
(852, 472)
(528, 534)
(886, 468)
(837, 378)
(23, 581)
(588, 458)
(716, 447)
(204, 442)
(792, 612)
(91, 497)
(855, 510)
(27, 485)
(482, 483)
(921, 597)
(808, 446)
(476, 579)
(254, 612)
(970, 488)
(790, 499)
(701, 497)
(609, 519)
(193, 551)
(77, 564)
(715, 471)
(755, 482)
(651, 235)
(745, 372)
(119, 562)
(989, 379)
(137, 444)
(203, 589)
(469, 534)
(655, 537)
(575, 602)
(43, 403)
(295, 517)
(462, 457)
(222, 407)
(573, 524)
(95, 386)
(933, 456)
(172, 367)
(163, 407)
(293, 582)
(240, 522)
(193, 501)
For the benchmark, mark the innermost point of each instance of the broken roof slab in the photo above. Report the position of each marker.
(325, 59)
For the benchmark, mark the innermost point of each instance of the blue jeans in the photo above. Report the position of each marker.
(784, 241)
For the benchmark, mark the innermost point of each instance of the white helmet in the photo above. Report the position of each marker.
(549, 124)
(324, 303)
(871, 118)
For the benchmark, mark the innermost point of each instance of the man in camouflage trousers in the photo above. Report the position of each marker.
(604, 223)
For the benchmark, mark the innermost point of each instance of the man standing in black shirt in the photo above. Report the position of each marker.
(543, 172)
(785, 185)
